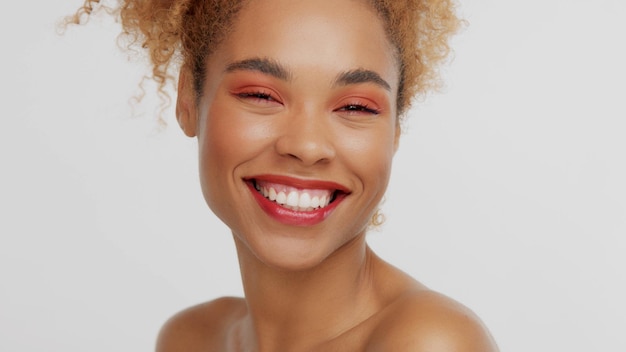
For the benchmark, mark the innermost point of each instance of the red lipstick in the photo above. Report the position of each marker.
(288, 215)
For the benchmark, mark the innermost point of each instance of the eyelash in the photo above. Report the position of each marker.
(258, 95)
(359, 108)
(350, 108)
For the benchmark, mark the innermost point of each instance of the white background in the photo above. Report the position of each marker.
(508, 191)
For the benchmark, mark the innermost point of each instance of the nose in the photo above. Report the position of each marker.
(307, 138)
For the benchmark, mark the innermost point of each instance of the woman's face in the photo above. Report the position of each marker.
(297, 127)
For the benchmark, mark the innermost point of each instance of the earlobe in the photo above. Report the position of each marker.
(185, 103)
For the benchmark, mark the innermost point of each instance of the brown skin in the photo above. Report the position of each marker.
(319, 287)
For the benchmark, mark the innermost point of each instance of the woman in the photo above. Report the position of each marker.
(296, 106)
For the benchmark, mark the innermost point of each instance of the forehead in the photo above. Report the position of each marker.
(323, 34)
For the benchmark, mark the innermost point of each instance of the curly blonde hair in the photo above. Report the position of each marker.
(186, 32)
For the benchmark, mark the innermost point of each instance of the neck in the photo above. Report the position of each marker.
(287, 309)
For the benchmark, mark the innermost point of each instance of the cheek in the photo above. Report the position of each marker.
(219, 145)
(370, 156)
(227, 139)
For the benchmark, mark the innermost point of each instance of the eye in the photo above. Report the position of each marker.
(257, 96)
(358, 108)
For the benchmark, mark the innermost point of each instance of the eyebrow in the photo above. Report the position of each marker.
(263, 65)
(275, 69)
(361, 76)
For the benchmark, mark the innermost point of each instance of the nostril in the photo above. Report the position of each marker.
(294, 156)
(306, 150)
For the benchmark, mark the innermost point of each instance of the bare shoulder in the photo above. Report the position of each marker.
(200, 328)
(424, 320)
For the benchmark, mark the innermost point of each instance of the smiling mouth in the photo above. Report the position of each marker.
(296, 199)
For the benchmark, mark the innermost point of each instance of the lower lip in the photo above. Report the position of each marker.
(292, 217)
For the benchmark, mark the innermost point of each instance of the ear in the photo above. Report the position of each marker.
(186, 111)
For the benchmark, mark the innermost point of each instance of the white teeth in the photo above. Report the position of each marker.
(305, 201)
(292, 199)
(315, 202)
(298, 200)
(272, 194)
(281, 198)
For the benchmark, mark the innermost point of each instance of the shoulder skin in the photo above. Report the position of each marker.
(200, 328)
(426, 321)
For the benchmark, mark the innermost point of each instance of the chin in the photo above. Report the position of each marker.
(290, 253)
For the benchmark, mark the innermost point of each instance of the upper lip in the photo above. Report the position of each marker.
(300, 183)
